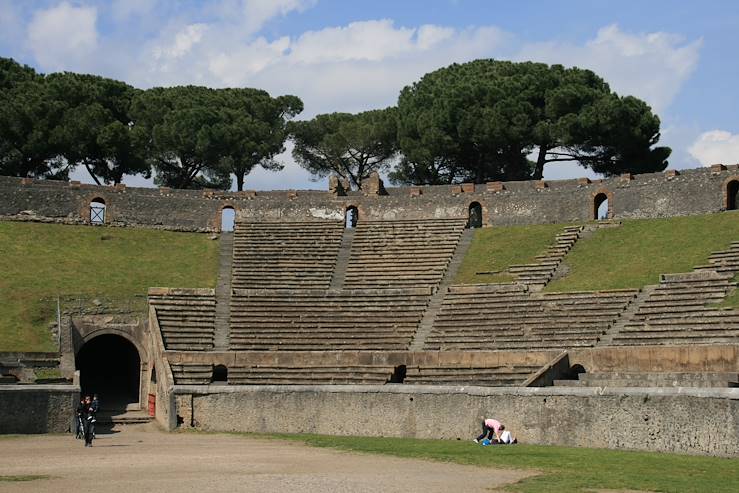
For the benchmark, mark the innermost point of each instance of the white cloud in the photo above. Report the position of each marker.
(366, 40)
(124, 9)
(63, 37)
(716, 146)
(358, 66)
(182, 43)
(651, 66)
(234, 67)
(258, 12)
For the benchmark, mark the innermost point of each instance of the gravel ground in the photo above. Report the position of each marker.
(143, 459)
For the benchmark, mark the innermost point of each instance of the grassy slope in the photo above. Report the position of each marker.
(43, 260)
(494, 249)
(564, 469)
(639, 251)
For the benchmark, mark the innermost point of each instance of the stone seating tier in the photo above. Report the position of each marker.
(724, 261)
(275, 255)
(653, 379)
(186, 317)
(402, 253)
(307, 374)
(681, 310)
(307, 320)
(502, 376)
(508, 316)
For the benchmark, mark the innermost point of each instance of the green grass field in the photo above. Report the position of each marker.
(42, 261)
(636, 253)
(495, 249)
(630, 256)
(563, 469)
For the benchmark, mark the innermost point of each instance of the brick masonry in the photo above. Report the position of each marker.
(696, 191)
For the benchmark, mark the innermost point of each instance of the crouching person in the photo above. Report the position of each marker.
(490, 427)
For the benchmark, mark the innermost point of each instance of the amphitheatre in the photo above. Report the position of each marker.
(379, 312)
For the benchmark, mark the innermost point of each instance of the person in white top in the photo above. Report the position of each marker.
(506, 438)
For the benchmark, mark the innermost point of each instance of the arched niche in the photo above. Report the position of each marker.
(97, 211)
(351, 216)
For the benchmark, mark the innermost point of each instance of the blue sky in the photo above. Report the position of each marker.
(681, 57)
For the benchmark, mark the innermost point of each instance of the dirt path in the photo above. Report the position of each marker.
(138, 459)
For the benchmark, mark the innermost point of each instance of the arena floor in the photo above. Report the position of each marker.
(144, 459)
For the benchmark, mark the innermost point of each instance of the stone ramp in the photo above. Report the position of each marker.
(223, 291)
(342, 259)
(427, 322)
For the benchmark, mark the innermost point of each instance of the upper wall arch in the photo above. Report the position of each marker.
(85, 209)
(597, 198)
(697, 191)
(730, 191)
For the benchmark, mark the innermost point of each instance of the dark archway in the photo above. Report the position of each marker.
(600, 207)
(97, 211)
(475, 215)
(220, 374)
(351, 216)
(110, 366)
(228, 218)
(732, 195)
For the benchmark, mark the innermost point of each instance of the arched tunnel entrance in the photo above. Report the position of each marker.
(110, 366)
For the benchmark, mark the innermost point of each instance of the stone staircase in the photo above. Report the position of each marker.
(536, 275)
(627, 315)
(682, 310)
(123, 417)
(724, 261)
(342, 259)
(427, 322)
(223, 292)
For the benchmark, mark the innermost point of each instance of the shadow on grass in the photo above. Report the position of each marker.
(26, 477)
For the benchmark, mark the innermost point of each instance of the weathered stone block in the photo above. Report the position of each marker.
(495, 186)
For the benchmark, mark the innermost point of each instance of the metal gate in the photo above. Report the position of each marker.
(97, 214)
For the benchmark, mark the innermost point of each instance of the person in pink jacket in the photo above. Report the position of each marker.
(490, 427)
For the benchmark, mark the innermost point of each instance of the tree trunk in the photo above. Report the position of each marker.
(540, 161)
(89, 170)
(239, 182)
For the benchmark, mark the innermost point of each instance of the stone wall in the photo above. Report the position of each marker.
(37, 408)
(697, 191)
(364, 358)
(696, 358)
(693, 421)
